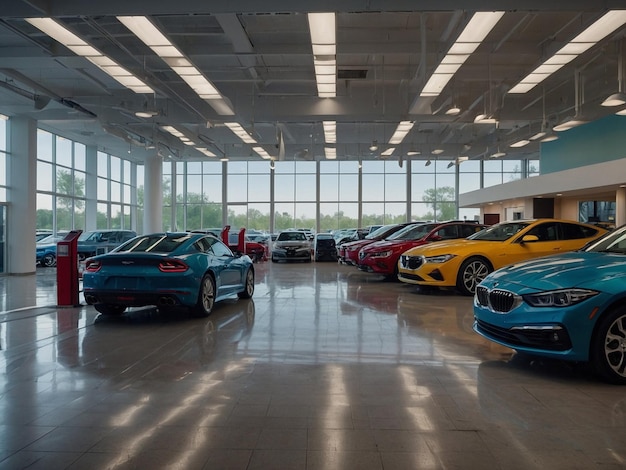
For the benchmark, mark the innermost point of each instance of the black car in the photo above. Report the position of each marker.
(324, 248)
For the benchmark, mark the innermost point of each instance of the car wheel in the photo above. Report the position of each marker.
(608, 348)
(206, 297)
(472, 272)
(274, 260)
(108, 309)
(49, 260)
(248, 290)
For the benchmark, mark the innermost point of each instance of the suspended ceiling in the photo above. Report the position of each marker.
(259, 56)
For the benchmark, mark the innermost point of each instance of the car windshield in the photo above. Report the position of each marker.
(611, 242)
(159, 243)
(291, 236)
(89, 236)
(413, 232)
(379, 231)
(499, 232)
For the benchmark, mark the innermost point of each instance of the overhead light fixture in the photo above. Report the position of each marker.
(80, 47)
(606, 25)
(4, 117)
(402, 129)
(621, 113)
(412, 153)
(616, 99)
(497, 154)
(374, 146)
(428, 162)
(323, 32)
(468, 41)
(549, 137)
(330, 131)
(453, 111)
(520, 143)
(330, 153)
(152, 37)
(437, 152)
(388, 152)
(569, 123)
(539, 135)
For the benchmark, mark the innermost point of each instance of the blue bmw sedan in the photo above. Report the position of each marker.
(570, 306)
(169, 270)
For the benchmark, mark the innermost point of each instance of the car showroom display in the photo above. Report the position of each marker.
(169, 270)
(570, 306)
(464, 263)
(348, 252)
(381, 257)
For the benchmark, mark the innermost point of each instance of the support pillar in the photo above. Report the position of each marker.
(153, 194)
(22, 194)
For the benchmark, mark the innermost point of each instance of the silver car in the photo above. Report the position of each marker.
(291, 245)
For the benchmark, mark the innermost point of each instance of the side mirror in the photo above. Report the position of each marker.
(530, 238)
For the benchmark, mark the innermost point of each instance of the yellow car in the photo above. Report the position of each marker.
(464, 263)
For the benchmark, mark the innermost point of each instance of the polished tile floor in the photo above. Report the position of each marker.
(325, 368)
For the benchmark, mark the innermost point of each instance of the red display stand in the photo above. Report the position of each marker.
(67, 270)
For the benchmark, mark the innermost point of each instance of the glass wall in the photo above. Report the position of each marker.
(62, 180)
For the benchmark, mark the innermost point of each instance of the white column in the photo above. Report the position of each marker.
(620, 207)
(91, 187)
(153, 194)
(22, 195)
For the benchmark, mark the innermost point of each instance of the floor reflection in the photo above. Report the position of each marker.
(326, 367)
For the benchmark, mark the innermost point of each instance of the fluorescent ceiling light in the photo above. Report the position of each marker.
(330, 131)
(207, 152)
(520, 143)
(437, 152)
(412, 153)
(4, 117)
(330, 153)
(599, 30)
(240, 132)
(402, 129)
(468, 41)
(621, 113)
(453, 111)
(388, 152)
(150, 35)
(61, 34)
(324, 46)
(550, 137)
(497, 154)
(538, 135)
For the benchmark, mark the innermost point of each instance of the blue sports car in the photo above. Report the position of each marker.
(570, 306)
(169, 270)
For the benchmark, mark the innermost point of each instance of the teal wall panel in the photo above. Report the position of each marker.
(598, 141)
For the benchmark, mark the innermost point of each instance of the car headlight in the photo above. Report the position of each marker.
(438, 258)
(381, 254)
(558, 298)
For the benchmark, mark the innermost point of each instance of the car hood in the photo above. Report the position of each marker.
(573, 269)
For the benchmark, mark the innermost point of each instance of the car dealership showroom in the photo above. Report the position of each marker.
(349, 235)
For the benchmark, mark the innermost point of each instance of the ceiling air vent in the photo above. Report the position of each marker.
(351, 74)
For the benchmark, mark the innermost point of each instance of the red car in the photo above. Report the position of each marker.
(348, 252)
(381, 257)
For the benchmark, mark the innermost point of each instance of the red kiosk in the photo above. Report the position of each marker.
(67, 270)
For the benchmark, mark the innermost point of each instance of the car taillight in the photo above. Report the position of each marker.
(93, 266)
(172, 266)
